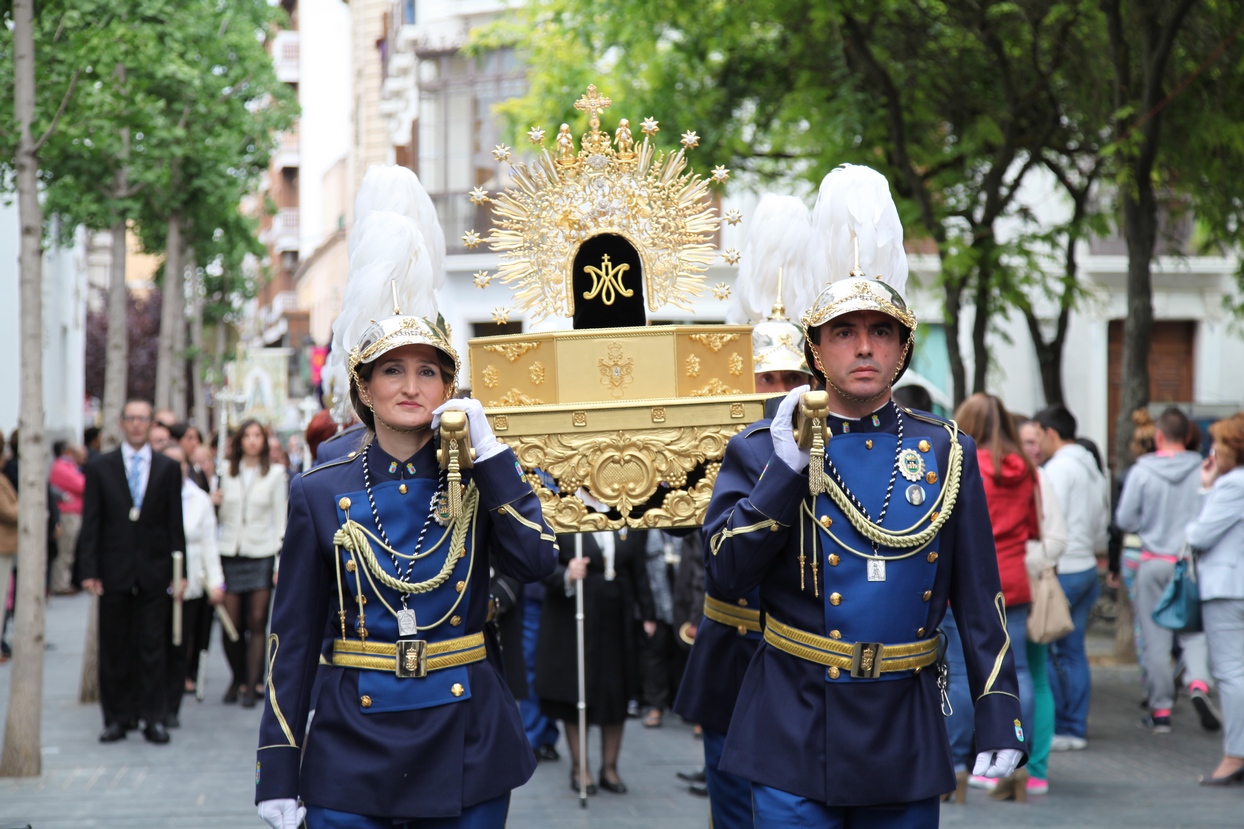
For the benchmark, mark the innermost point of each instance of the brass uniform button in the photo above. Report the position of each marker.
(868, 444)
(742, 630)
(833, 559)
(742, 602)
(933, 517)
(365, 701)
(916, 670)
(500, 510)
(362, 600)
(835, 599)
(455, 621)
(826, 521)
(931, 477)
(835, 634)
(350, 568)
(773, 527)
(352, 455)
(344, 503)
(457, 690)
(932, 557)
(460, 586)
(402, 489)
(928, 594)
(924, 446)
(832, 671)
(920, 631)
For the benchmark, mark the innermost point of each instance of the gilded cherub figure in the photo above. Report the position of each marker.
(565, 143)
(623, 138)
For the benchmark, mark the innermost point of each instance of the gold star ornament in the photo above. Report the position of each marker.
(649, 126)
(501, 153)
(471, 239)
(731, 256)
(479, 195)
(482, 278)
(720, 174)
(690, 140)
(733, 217)
(535, 135)
(500, 315)
(721, 291)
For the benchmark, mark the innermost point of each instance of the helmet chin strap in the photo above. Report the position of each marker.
(816, 355)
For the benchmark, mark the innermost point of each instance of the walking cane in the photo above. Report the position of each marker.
(178, 570)
(578, 617)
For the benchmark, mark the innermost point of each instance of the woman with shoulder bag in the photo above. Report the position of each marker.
(1218, 533)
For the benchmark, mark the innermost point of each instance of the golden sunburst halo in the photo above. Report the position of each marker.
(471, 239)
(731, 256)
(535, 135)
(479, 195)
(690, 140)
(482, 278)
(501, 152)
(733, 217)
(500, 315)
(721, 291)
(649, 126)
(720, 174)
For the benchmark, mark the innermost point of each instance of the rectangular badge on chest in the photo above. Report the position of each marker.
(876, 569)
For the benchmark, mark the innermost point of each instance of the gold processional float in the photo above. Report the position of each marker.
(637, 416)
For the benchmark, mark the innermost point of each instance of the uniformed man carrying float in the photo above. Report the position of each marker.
(856, 545)
(775, 276)
(384, 587)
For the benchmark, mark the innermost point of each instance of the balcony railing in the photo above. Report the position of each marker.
(285, 230)
(285, 54)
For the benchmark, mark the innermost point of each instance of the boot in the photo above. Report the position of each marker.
(1013, 787)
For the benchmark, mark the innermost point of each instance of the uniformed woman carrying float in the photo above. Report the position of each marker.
(383, 595)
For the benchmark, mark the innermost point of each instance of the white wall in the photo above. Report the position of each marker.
(324, 95)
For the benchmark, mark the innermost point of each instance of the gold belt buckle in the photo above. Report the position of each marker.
(412, 659)
(866, 660)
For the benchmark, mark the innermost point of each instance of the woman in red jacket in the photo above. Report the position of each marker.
(1010, 493)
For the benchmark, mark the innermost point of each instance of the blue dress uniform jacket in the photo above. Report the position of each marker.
(378, 744)
(817, 732)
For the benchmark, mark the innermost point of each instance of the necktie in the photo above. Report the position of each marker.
(134, 478)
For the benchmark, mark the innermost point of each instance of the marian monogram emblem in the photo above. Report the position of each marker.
(607, 281)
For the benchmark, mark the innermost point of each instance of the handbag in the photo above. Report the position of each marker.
(1049, 615)
(1179, 609)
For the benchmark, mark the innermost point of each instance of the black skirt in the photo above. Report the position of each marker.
(245, 575)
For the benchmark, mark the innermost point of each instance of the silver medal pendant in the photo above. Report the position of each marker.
(915, 495)
(876, 569)
(406, 622)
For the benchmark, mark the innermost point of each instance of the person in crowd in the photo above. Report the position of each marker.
(189, 438)
(203, 460)
(1124, 548)
(1160, 496)
(915, 397)
(131, 525)
(1083, 493)
(276, 452)
(203, 583)
(541, 730)
(91, 437)
(615, 592)
(252, 499)
(857, 558)
(656, 644)
(1010, 481)
(160, 437)
(165, 417)
(413, 721)
(1041, 554)
(69, 482)
(1217, 534)
(319, 429)
(8, 557)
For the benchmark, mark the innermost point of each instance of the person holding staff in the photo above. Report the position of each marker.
(384, 588)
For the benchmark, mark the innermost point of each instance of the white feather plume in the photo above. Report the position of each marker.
(389, 249)
(855, 201)
(398, 190)
(779, 236)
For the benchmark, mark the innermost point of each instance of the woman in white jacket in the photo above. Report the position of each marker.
(252, 498)
(1218, 535)
(204, 582)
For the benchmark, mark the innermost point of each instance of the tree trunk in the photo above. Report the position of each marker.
(1049, 355)
(196, 348)
(177, 380)
(1140, 223)
(117, 351)
(21, 755)
(88, 685)
(980, 325)
(954, 305)
(170, 315)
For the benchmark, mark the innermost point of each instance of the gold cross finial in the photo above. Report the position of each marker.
(593, 103)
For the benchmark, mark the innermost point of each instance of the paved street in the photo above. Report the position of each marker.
(204, 779)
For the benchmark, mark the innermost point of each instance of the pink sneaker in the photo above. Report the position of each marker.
(978, 781)
(1038, 786)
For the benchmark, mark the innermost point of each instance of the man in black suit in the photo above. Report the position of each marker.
(131, 525)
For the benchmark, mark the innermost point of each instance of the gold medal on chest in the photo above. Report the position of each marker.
(911, 464)
(440, 509)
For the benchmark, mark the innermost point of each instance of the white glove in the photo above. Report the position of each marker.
(783, 432)
(997, 763)
(284, 813)
(482, 438)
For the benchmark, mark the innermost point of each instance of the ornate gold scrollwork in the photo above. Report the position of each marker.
(713, 342)
(714, 388)
(617, 371)
(512, 351)
(514, 397)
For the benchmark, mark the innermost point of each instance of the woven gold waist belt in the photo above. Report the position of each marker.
(864, 660)
(409, 659)
(741, 618)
